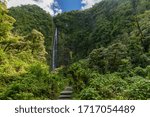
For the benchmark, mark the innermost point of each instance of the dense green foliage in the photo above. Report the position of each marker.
(29, 17)
(113, 38)
(103, 52)
(24, 73)
(106, 23)
(91, 84)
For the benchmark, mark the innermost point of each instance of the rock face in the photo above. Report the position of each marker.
(66, 94)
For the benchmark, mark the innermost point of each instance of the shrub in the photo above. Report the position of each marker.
(108, 86)
(89, 94)
(140, 71)
(140, 90)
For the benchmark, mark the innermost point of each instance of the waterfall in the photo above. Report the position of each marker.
(54, 52)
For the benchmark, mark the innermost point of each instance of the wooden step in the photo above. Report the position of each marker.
(66, 94)
(68, 88)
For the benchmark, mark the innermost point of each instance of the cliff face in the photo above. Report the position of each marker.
(106, 23)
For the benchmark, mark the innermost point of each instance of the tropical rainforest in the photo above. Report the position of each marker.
(103, 52)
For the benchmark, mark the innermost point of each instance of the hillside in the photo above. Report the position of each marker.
(106, 23)
(29, 17)
(108, 47)
(103, 52)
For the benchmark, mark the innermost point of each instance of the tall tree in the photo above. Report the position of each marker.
(6, 25)
(135, 13)
(36, 42)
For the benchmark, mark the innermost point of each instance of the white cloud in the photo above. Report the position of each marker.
(50, 6)
(44, 4)
(89, 3)
(56, 8)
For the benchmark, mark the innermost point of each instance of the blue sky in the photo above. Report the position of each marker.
(68, 5)
(55, 6)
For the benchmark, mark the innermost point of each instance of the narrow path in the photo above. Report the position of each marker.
(66, 94)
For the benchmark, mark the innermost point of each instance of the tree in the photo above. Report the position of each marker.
(6, 25)
(36, 42)
(136, 19)
(29, 17)
(110, 59)
(144, 22)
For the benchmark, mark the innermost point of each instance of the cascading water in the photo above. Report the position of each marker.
(54, 52)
